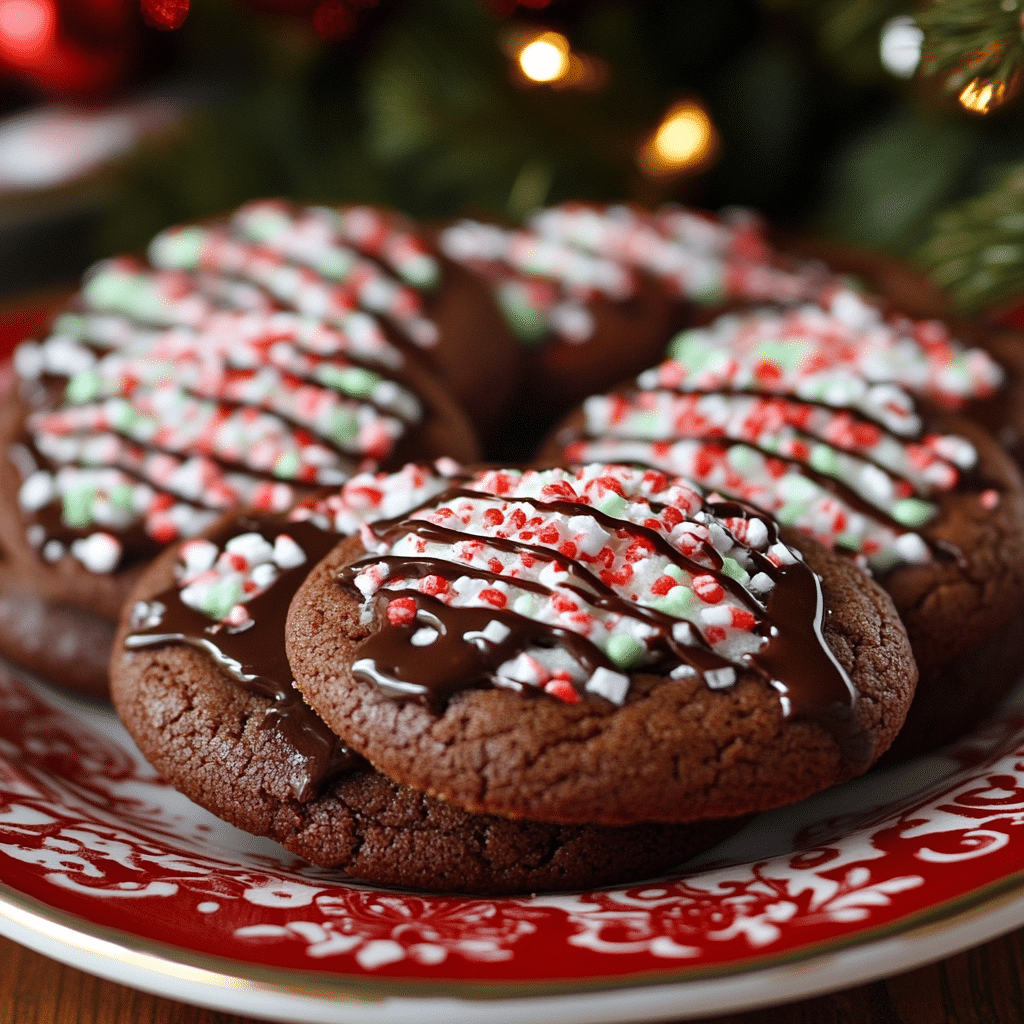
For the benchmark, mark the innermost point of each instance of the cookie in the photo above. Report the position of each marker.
(813, 431)
(208, 698)
(333, 264)
(162, 398)
(596, 292)
(599, 646)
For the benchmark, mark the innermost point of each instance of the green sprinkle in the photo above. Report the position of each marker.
(680, 602)
(529, 324)
(83, 387)
(71, 325)
(691, 349)
(334, 264)
(710, 294)
(287, 466)
(78, 505)
(850, 541)
(523, 605)
(825, 459)
(612, 505)
(183, 248)
(742, 458)
(624, 651)
(421, 271)
(358, 383)
(913, 512)
(123, 496)
(263, 225)
(342, 426)
(793, 487)
(123, 416)
(790, 513)
(108, 291)
(733, 568)
(221, 598)
(679, 574)
(788, 352)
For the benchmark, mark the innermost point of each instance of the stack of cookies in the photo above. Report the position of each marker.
(245, 471)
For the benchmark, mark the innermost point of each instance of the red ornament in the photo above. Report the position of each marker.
(333, 20)
(66, 47)
(165, 14)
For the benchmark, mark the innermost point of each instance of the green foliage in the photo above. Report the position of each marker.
(973, 39)
(977, 247)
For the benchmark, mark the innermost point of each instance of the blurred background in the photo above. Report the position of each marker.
(890, 125)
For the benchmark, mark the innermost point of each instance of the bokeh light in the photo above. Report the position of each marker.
(685, 139)
(27, 29)
(981, 98)
(545, 58)
(900, 48)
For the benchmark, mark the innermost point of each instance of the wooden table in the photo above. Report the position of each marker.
(981, 986)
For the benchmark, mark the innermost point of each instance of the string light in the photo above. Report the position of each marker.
(982, 98)
(685, 140)
(545, 58)
(27, 29)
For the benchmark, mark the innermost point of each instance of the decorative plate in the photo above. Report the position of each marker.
(105, 867)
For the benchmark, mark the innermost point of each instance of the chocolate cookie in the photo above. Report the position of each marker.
(209, 700)
(339, 264)
(599, 646)
(596, 292)
(162, 398)
(811, 429)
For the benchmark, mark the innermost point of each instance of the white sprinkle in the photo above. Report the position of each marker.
(612, 686)
(760, 584)
(495, 631)
(99, 552)
(53, 550)
(264, 575)
(684, 633)
(717, 615)
(720, 678)
(757, 533)
(252, 547)
(682, 672)
(38, 490)
(287, 554)
(911, 548)
(524, 669)
(782, 553)
(424, 637)
(198, 555)
(28, 361)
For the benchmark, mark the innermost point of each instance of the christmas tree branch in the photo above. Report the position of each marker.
(980, 40)
(976, 250)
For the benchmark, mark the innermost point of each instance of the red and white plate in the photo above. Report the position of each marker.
(105, 867)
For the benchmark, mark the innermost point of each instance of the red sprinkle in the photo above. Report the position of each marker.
(708, 589)
(402, 611)
(433, 585)
(563, 690)
(495, 597)
(989, 499)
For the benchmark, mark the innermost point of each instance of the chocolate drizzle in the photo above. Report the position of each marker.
(794, 660)
(254, 657)
(965, 479)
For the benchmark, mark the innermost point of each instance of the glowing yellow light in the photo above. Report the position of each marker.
(982, 98)
(545, 58)
(684, 139)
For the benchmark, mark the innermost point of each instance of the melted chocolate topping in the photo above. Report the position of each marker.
(254, 656)
(795, 660)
